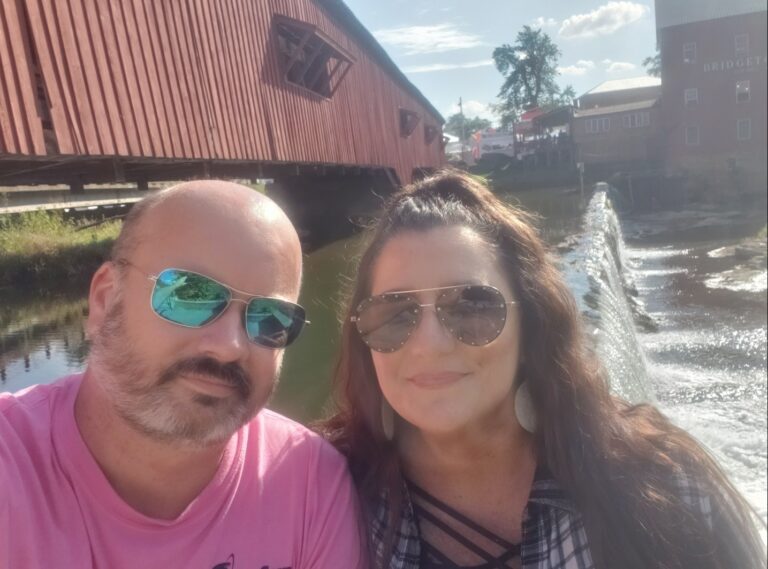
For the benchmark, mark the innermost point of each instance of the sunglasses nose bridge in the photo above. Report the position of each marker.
(442, 328)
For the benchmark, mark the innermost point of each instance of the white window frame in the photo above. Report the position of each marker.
(748, 124)
(741, 45)
(689, 52)
(598, 125)
(636, 120)
(689, 140)
(691, 97)
(743, 87)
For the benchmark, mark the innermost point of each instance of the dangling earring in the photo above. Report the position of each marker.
(387, 419)
(524, 409)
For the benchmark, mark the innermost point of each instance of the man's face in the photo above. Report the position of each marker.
(191, 385)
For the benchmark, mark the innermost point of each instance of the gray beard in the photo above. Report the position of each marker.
(147, 401)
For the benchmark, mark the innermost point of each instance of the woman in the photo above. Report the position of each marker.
(479, 428)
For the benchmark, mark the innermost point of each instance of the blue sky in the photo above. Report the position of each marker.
(445, 46)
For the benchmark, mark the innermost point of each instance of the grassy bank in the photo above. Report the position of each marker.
(42, 248)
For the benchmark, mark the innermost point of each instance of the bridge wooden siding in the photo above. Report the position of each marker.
(197, 80)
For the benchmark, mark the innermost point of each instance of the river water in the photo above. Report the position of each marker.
(677, 318)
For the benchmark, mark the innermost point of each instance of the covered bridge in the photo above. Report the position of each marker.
(142, 90)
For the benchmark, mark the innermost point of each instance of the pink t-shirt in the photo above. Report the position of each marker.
(281, 499)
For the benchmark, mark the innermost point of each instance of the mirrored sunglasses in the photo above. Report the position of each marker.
(193, 300)
(473, 314)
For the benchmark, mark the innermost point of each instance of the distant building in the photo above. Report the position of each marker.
(713, 57)
(493, 141)
(618, 124)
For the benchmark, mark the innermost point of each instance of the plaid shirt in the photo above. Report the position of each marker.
(554, 536)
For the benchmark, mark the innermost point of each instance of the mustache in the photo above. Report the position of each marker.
(231, 373)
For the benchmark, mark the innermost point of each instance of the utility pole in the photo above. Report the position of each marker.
(463, 131)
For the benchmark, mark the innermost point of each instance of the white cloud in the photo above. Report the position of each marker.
(618, 66)
(474, 109)
(428, 39)
(606, 20)
(542, 22)
(446, 66)
(581, 67)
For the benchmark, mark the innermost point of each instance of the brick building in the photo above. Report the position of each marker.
(713, 106)
(617, 125)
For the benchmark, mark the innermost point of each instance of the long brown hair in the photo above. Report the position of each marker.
(621, 464)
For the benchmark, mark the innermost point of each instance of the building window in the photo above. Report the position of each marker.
(595, 126)
(741, 44)
(430, 133)
(692, 136)
(637, 120)
(309, 59)
(744, 129)
(689, 52)
(742, 91)
(408, 122)
(691, 97)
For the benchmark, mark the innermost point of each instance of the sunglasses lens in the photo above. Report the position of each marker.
(474, 314)
(187, 298)
(272, 322)
(385, 322)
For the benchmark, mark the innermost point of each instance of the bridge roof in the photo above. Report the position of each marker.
(344, 15)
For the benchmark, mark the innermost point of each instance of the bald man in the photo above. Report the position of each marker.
(161, 454)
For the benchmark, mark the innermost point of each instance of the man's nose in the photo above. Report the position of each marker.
(225, 339)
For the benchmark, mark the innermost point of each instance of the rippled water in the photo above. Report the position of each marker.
(707, 362)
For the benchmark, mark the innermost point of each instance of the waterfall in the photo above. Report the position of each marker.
(596, 268)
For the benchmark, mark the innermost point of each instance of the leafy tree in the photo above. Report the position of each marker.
(652, 64)
(529, 67)
(567, 96)
(471, 125)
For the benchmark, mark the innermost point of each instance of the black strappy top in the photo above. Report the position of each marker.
(495, 551)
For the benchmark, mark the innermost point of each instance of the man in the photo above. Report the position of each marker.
(159, 455)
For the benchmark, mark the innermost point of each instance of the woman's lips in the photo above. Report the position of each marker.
(435, 380)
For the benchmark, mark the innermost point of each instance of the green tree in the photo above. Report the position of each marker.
(471, 125)
(567, 96)
(529, 67)
(652, 64)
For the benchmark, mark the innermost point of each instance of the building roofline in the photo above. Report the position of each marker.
(342, 13)
(652, 83)
(614, 109)
(672, 13)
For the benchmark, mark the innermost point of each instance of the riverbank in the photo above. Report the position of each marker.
(40, 249)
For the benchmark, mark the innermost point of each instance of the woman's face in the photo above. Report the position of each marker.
(435, 382)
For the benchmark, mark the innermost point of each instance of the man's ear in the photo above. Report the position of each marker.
(102, 296)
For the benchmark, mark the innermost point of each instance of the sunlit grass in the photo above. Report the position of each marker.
(43, 246)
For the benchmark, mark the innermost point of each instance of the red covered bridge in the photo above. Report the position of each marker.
(141, 90)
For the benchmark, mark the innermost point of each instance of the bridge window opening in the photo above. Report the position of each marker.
(742, 91)
(430, 133)
(309, 59)
(409, 120)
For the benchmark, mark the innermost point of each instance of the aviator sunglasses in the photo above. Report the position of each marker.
(473, 314)
(193, 300)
